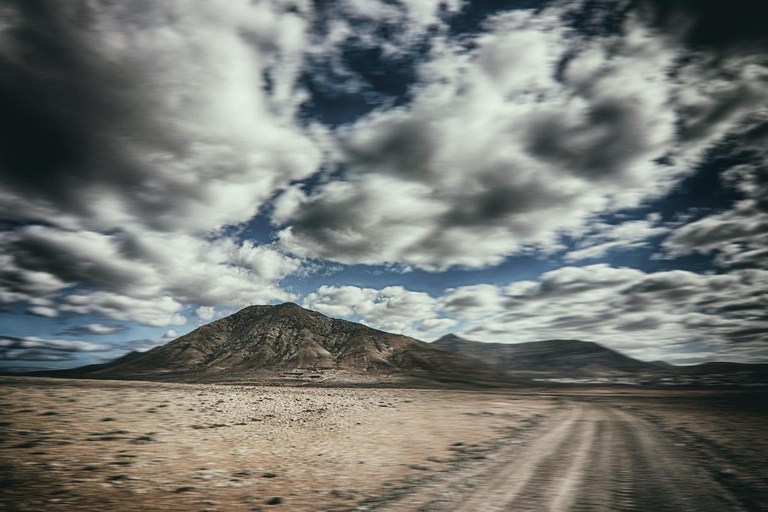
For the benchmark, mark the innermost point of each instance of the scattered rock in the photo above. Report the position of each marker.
(275, 501)
(142, 440)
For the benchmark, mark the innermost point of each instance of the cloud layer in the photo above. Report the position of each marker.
(673, 315)
(516, 137)
(32, 348)
(168, 122)
(162, 160)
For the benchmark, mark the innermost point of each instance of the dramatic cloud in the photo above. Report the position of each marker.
(170, 160)
(179, 115)
(508, 142)
(133, 135)
(140, 268)
(350, 33)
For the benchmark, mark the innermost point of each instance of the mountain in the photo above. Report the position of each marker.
(288, 342)
(552, 358)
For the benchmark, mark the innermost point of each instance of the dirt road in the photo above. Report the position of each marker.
(588, 458)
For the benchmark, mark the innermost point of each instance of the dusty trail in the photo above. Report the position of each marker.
(591, 458)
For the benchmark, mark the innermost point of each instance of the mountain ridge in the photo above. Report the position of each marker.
(552, 358)
(259, 341)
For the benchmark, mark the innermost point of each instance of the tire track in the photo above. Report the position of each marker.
(505, 486)
(595, 459)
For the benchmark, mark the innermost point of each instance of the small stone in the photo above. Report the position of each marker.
(275, 501)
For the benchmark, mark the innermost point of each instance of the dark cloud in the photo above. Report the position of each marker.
(32, 348)
(736, 25)
(602, 145)
(153, 115)
(98, 260)
(33, 355)
(32, 342)
(98, 329)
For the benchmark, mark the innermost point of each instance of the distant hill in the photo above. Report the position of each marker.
(260, 342)
(552, 358)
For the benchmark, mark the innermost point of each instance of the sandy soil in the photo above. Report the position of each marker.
(107, 445)
(101, 445)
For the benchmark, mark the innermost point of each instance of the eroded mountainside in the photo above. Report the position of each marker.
(287, 338)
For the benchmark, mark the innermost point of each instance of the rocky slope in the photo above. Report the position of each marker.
(552, 358)
(294, 342)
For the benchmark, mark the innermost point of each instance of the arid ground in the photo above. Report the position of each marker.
(108, 445)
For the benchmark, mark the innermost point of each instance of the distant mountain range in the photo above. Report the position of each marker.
(551, 358)
(288, 341)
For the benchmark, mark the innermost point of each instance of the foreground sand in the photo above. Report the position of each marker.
(106, 445)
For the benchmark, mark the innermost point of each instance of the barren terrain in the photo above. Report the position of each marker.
(107, 445)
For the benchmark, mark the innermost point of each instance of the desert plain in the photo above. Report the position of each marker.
(95, 445)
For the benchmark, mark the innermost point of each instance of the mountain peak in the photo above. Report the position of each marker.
(260, 340)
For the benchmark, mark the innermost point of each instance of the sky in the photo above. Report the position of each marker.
(506, 171)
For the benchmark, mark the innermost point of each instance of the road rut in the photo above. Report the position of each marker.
(592, 457)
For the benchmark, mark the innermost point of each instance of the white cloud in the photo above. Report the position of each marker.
(205, 312)
(473, 301)
(494, 154)
(99, 329)
(391, 309)
(180, 119)
(143, 266)
(43, 311)
(436, 326)
(517, 136)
